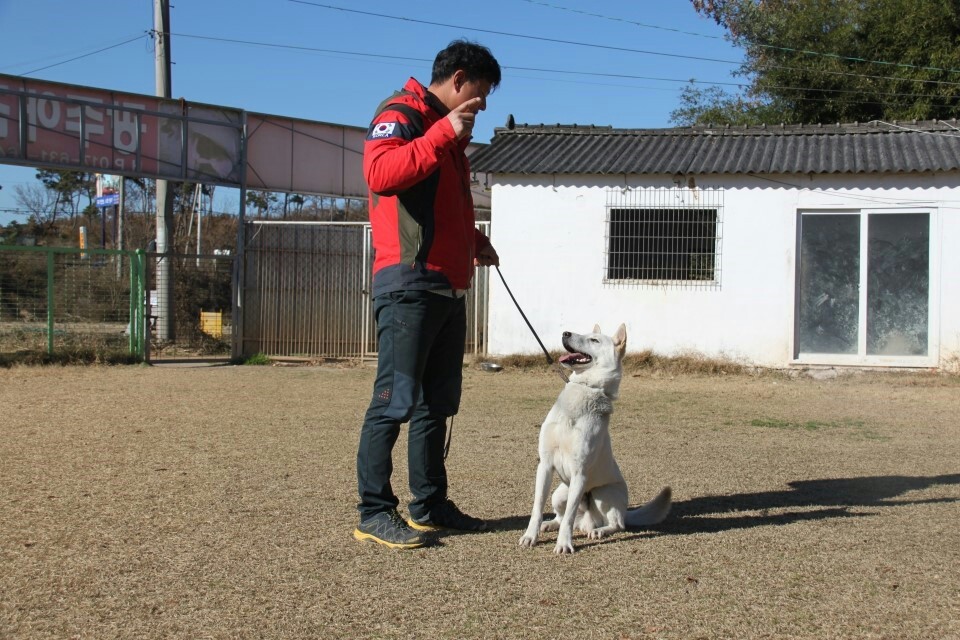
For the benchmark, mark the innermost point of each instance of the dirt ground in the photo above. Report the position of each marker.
(171, 502)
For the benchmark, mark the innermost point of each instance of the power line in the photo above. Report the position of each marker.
(87, 55)
(914, 130)
(45, 58)
(516, 35)
(639, 24)
(612, 47)
(942, 203)
(297, 47)
(624, 76)
(430, 61)
(809, 52)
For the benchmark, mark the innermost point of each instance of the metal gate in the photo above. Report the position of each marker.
(306, 291)
(200, 309)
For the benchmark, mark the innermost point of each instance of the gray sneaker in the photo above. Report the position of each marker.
(447, 516)
(389, 529)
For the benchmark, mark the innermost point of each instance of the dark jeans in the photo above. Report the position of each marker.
(419, 379)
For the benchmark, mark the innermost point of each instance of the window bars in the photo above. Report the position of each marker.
(663, 237)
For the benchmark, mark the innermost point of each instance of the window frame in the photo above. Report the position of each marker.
(862, 358)
(673, 202)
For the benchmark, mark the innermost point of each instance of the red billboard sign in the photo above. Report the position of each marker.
(49, 124)
(85, 128)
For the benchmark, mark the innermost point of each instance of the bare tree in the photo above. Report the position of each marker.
(42, 203)
(70, 187)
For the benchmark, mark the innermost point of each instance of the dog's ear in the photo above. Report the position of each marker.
(620, 340)
(596, 329)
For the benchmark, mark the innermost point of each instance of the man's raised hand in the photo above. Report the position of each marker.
(463, 117)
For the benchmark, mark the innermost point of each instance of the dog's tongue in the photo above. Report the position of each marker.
(574, 358)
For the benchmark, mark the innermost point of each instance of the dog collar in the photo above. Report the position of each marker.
(599, 392)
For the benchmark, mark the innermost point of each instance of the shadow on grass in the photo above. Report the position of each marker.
(835, 497)
(870, 491)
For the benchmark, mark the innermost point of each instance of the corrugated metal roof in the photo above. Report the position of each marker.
(874, 147)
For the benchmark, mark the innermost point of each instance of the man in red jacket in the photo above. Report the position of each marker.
(427, 246)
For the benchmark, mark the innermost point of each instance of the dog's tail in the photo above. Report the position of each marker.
(651, 513)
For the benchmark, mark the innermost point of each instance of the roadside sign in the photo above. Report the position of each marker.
(108, 200)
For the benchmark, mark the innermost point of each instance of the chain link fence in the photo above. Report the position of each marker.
(62, 304)
(71, 304)
(306, 294)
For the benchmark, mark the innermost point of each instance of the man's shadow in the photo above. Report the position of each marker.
(812, 499)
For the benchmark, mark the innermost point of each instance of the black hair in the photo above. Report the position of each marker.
(474, 59)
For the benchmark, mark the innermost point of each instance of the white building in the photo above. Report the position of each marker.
(826, 245)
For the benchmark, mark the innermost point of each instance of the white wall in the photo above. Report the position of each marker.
(550, 235)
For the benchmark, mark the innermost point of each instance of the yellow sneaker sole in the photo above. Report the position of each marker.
(367, 537)
(424, 527)
(434, 528)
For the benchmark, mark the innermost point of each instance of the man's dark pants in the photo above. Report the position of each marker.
(419, 379)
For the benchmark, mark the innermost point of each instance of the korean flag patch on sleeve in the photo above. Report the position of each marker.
(382, 130)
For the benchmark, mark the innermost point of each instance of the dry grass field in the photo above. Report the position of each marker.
(169, 502)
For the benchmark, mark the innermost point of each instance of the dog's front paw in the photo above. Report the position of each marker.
(526, 540)
(563, 548)
(564, 543)
(595, 534)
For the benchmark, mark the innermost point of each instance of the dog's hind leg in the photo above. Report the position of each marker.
(608, 507)
(559, 501)
(586, 520)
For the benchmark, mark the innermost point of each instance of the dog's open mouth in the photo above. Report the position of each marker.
(575, 358)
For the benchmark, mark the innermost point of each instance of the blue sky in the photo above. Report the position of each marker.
(550, 74)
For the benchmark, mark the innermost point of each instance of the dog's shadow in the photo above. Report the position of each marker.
(805, 500)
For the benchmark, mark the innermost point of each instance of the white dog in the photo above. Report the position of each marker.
(575, 442)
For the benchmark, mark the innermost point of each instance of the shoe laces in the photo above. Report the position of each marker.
(397, 520)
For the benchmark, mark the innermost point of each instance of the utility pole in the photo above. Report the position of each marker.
(164, 311)
(119, 221)
(199, 220)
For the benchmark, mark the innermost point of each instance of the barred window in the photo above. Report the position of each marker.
(664, 235)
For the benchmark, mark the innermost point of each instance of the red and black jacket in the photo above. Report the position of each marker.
(421, 209)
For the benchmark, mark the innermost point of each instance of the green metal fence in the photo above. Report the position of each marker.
(68, 301)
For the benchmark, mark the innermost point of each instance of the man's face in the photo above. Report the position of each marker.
(470, 89)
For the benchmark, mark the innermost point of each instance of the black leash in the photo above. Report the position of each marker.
(550, 360)
(446, 447)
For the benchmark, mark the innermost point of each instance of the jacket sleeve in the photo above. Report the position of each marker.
(396, 161)
(480, 241)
